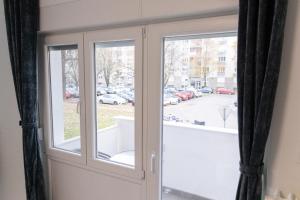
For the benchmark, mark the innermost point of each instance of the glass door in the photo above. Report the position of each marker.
(193, 151)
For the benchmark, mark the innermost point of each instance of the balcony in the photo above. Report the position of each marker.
(198, 163)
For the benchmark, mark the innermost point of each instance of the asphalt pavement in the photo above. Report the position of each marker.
(210, 109)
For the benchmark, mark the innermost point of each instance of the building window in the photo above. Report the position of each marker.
(221, 71)
(222, 59)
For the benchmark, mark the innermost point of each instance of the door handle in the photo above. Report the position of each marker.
(152, 162)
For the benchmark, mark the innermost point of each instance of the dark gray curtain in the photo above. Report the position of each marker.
(22, 19)
(260, 38)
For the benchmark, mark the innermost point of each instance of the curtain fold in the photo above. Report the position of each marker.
(260, 39)
(22, 20)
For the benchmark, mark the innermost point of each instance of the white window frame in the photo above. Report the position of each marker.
(155, 36)
(61, 40)
(148, 87)
(135, 34)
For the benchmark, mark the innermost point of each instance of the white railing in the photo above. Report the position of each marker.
(196, 159)
(200, 160)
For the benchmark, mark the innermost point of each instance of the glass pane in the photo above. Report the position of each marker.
(64, 74)
(115, 97)
(200, 142)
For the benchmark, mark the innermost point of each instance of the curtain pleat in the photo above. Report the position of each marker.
(260, 39)
(22, 20)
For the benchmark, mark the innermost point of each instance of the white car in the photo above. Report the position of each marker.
(196, 93)
(170, 99)
(111, 99)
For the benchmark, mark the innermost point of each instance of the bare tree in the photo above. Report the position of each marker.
(205, 59)
(173, 58)
(105, 64)
(70, 64)
(110, 65)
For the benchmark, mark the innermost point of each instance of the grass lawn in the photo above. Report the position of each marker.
(105, 115)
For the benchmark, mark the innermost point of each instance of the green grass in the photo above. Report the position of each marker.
(105, 116)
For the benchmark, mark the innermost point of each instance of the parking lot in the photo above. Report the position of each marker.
(206, 109)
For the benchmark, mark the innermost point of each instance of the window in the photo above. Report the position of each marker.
(115, 100)
(65, 90)
(64, 97)
(221, 70)
(155, 102)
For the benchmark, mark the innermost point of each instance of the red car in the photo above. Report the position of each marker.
(68, 95)
(224, 91)
(182, 95)
(190, 94)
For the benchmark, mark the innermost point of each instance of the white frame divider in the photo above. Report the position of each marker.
(61, 40)
(121, 34)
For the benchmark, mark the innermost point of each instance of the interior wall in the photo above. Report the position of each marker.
(73, 14)
(11, 159)
(75, 183)
(284, 156)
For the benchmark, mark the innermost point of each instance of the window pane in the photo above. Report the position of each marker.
(64, 73)
(200, 141)
(115, 97)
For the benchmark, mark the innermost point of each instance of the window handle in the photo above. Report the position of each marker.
(152, 167)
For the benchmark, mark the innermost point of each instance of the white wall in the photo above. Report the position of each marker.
(284, 162)
(74, 183)
(11, 159)
(69, 14)
(285, 142)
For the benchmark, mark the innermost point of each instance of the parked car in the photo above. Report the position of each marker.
(206, 90)
(170, 99)
(100, 91)
(111, 99)
(224, 91)
(71, 93)
(128, 96)
(67, 94)
(183, 95)
(190, 94)
(110, 90)
(170, 90)
(194, 92)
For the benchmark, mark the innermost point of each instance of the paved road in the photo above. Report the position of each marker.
(206, 109)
